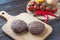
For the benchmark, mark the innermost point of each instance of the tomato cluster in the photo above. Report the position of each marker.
(41, 6)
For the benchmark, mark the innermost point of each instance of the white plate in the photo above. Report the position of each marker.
(41, 17)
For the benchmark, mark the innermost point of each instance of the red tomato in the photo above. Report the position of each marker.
(42, 8)
(54, 10)
(30, 8)
(34, 7)
(48, 9)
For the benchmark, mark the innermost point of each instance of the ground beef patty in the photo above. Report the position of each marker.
(18, 26)
(36, 27)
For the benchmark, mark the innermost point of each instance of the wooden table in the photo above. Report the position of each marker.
(18, 6)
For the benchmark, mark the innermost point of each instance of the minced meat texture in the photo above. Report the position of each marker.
(18, 26)
(36, 27)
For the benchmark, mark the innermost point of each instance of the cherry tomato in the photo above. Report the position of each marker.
(34, 8)
(30, 8)
(48, 9)
(54, 10)
(42, 7)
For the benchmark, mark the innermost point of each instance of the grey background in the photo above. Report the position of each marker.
(15, 7)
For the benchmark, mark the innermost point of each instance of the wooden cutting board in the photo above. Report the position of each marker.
(27, 18)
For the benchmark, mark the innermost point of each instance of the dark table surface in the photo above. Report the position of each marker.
(18, 6)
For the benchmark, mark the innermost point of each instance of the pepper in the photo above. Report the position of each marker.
(50, 13)
(36, 13)
(46, 18)
(45, 14)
